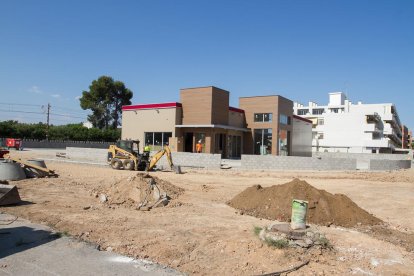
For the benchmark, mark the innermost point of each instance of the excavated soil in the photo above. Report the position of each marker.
(324, 208)
(131, 191)
(198, 234)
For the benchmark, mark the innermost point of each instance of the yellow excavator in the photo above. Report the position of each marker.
(156, 157)
(125, 155)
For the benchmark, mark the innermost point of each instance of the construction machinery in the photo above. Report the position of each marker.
(14, 143)
(125, 155)
(156, 157)
(9, 195)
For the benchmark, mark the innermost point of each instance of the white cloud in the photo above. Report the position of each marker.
(55, 95)
(35, 89)
(77, 97)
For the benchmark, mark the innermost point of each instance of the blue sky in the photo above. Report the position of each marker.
(50, 51)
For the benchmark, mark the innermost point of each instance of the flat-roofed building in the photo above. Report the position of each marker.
(262, 124)
(342, 126)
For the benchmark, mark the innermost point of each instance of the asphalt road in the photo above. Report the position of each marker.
(33, 249)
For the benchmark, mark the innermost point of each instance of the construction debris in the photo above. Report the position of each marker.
(282, 235)
(33, 167)
(142, 192)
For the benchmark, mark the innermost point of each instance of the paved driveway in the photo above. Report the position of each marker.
(32, 249)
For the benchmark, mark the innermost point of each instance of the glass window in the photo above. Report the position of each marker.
(263, 117)
(303, 111)
(318, 111)
(258, 117)
(283, 119)
(165, 137)
(283, 142)
(149, 138)
(267, 117)
(263, 141)
(321, 122)
(157, 141)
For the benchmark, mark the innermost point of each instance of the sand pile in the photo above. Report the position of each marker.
(134, 190)
(324, 208)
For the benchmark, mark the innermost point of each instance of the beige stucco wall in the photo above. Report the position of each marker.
(136, 122)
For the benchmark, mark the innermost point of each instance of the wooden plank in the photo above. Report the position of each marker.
(25, 163)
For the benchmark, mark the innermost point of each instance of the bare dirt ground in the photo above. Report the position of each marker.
(197, 233)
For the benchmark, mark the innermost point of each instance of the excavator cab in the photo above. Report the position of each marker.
(131, 146)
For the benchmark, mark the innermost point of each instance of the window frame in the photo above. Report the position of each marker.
(263, 117)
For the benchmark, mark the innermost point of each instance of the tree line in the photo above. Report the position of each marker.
(72, 132)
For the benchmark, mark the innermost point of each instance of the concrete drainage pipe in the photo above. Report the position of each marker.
(11, 171)
(31, 172)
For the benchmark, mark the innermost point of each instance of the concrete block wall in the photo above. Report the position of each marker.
(385, 165)
(269, 162)
(193, 160)
(184, 159)
(372, 161)
(251, 162)
(60, 144)
(363, 156)
(87, 155)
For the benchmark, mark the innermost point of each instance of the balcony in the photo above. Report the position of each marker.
(373, 118)
(371, 128)
(393, 120)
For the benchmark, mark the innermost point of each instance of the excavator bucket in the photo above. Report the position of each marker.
(9, 195)
(176, 169)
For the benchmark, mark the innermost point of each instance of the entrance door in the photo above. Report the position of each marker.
(220, 146)
(234, 146)
(188, 142)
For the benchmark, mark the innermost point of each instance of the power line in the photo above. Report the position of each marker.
(20, 104)
(69, 116)
(20, 111)
(50, 113)
(65, 108)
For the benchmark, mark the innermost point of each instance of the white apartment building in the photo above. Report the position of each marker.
(342, 126)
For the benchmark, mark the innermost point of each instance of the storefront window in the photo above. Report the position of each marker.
(149, 138)
(284, 142)
(263, 141)
(156, 140)
(166, 137)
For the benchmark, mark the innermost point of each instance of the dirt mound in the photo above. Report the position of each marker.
(324, 208)
(134, 190)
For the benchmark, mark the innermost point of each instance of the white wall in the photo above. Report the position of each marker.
(348, 130)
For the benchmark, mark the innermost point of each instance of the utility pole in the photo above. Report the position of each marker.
(48, 117)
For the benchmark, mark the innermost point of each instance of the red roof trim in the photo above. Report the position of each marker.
(236, 109)
(302, 119)
(151, 106)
